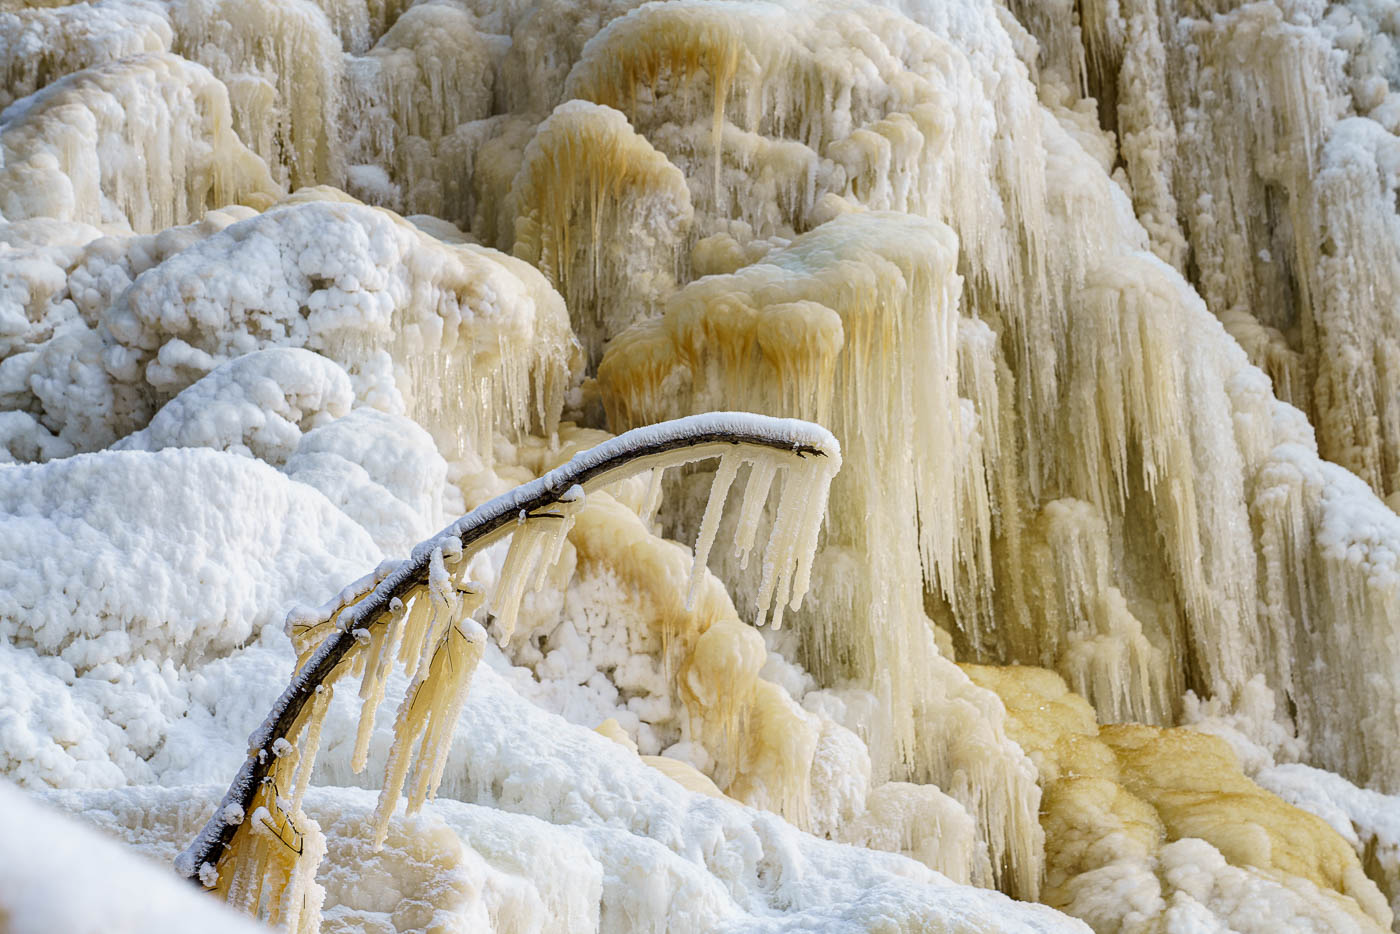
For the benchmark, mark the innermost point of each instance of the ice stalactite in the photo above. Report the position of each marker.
(283, 68)
(111, 145)
(418, 611)
(1092, 636)
(856, 325)
(1067, 362)
(1139, 408)
(547, 39)
(1057, 52)
(604, 216)
(695, 682)
(1256, 139)
(1125, 47)
(1173, 486)
(272, 875)
(1354, 348)
(764, 108)
(1250, 223)
(1204, 454)
(430, 73)
(1334, 604)
(359, 24)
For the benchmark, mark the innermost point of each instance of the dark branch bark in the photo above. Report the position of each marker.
(706, 435)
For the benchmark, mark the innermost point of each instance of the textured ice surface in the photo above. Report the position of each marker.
(1096, 297)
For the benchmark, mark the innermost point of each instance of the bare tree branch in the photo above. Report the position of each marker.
(368, 601)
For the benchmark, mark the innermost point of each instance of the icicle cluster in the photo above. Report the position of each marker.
(853, 321)
(603, 215)
(270, 870)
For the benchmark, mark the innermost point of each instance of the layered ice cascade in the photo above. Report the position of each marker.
(730, 465)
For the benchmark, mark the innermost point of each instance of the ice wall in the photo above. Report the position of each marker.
(1096, 297)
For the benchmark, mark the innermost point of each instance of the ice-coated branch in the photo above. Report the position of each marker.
(372, 599)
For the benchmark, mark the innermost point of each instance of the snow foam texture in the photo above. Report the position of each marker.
(154, 585)
(258, 405)
(534, 860)
(381, 470)
(356, 284)
(80, 880)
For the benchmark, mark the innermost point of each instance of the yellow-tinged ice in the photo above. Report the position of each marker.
(1117, 796)
(603, 215)
(856, 322)
(762, 742)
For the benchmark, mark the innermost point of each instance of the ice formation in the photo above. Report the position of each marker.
(603, 215)
(1096, 299)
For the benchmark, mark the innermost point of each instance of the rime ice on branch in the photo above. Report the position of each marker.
(259, 850)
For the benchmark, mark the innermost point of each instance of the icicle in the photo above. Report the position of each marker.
(652, 501)
(303, 895)
(603, 215)
(762, 469)
(817, 486)
(525, 545)
(309, 742)
(460, 653)
(415, 629)
(709, 525)
(429, 709)
(535, 545)
(786, 566)
(442, 594)
(379, 657)
(568, 506)
(274, 863)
